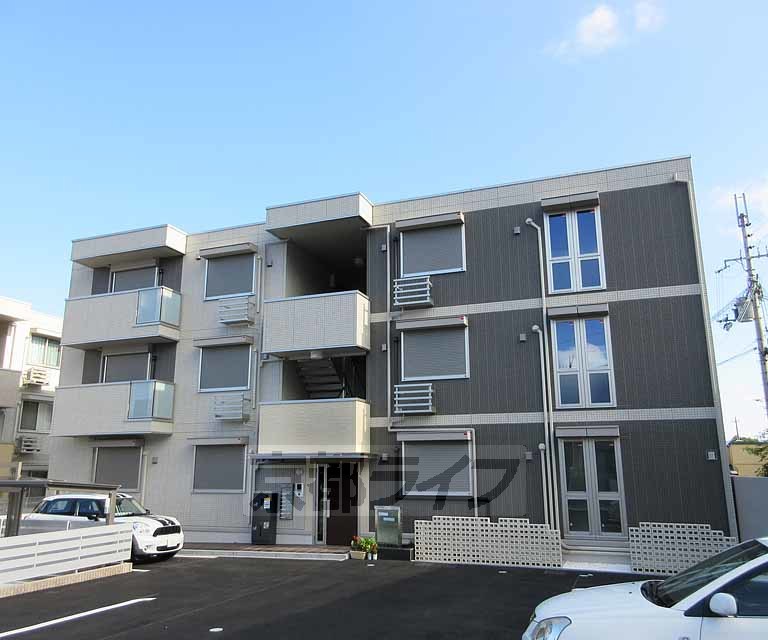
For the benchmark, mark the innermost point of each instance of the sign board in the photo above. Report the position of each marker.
(389, 528)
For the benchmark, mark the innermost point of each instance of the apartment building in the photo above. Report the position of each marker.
(539, 349)
(29, 372)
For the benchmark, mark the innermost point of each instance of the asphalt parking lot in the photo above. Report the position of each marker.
(249, 598)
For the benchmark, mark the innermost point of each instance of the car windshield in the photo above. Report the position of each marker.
(129, 507)
(672, 590)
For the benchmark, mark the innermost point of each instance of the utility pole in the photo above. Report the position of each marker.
(736, 424)
(754, 290)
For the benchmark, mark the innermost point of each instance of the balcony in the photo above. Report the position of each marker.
(315, 427)
(9, 387)
(153, 242)
(332, 323)
(414, 399)
(146, 315)
(143, 407)
(412, 293)
(287, 221)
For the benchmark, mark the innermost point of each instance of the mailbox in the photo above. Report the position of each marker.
(389, 529)
(264, 519)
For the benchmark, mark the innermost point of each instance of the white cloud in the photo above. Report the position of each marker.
(602, 29)
(649, 16)
(595, 33)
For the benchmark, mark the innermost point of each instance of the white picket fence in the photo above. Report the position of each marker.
(45, 554)
(469, 540)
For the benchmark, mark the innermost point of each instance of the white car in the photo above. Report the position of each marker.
(726, 596)
(153, 536)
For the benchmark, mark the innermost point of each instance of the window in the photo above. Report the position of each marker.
(36, 416)
(751, 595)
(437, 468)
(219, 468)
(432, 250)
(435, 354)
(574, 251)
(125, 367)
(225, 368)
(132, 279)
(90, 507)
(583, 363)
(58, 507)
(230, 276)
(119, 465)
(44, 351)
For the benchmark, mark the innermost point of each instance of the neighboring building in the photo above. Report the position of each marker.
(29, 373)
(346, 355)
(742, 460)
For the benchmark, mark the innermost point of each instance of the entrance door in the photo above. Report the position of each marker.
(337, 520)
(592, 488)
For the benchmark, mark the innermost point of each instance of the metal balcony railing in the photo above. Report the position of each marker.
(236, 311)
(159, 304)
(151, 400)
(414, 398)
(413, 292)
(230, 408)
(28, 444)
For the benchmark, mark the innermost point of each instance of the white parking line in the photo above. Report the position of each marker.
(92, 612)
(140, 570)
(198, 557)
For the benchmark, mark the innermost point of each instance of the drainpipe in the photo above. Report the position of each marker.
(542, 462)
(546, 470)
(390, 427)
(549, 421)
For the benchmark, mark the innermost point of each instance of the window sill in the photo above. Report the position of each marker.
(223, 389)
(433, 273)
(573, 291)
(430, 378)
(585, 406)
(218, 491)
(244, 294)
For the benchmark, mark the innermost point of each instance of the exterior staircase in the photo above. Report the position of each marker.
(321, 379)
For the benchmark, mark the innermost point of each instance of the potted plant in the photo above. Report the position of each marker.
(375, 550)
(357, 551)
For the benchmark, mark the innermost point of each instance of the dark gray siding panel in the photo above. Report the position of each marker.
(376, 370)
(667, 477)
(377, 270)
(648, 237)
(660, 354)
(509, 485)
(170, 272)
(504, 373)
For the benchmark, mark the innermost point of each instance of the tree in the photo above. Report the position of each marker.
(761, 451)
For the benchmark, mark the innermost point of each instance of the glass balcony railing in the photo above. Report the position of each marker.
(151, 400)
(159, 304)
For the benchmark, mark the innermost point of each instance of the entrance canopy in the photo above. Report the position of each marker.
(19, 489)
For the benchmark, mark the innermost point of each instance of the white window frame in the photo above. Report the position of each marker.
(450, 494)
(115, 271)
(254, 280)
(20, 428)
(574, 258)
(138, 489)
(459, 376)
(219, 389)
(230, 491)
(581, 371)
(105, 357)
(414, 274)
(47, 339)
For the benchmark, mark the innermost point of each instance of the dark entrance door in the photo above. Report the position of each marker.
(342, 496)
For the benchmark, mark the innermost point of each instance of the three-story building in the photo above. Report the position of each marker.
(539, 349)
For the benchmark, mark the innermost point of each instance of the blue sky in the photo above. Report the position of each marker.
(200, 114)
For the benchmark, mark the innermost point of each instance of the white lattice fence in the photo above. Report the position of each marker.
(668, 548)
(508, 542)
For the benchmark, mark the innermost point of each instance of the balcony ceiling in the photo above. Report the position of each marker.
(333, 242)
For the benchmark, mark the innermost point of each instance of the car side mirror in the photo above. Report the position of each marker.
(93, 517)
(148, 512)
(724, 605)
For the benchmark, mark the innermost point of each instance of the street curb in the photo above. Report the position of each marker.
(19, 588)
(264, 555)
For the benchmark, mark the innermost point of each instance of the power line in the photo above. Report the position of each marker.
(738, 355)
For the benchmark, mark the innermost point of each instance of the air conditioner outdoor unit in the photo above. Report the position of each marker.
(35, 376)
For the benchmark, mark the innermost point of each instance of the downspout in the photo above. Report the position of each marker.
(390, 427)
(548, 422)
(545, 457)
